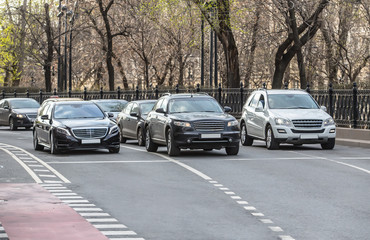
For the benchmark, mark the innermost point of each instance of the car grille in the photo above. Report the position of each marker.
(32, 116)
(209, 125)
(85, 133)
(307, 123)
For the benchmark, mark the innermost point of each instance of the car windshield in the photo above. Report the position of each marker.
(194, 105)
(291, 101)
(146, 107)
(73, 111)
(24, 104)
(114, 106)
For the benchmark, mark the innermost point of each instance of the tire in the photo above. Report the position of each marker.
(149, 145)
(11, 125)
(244, 138)
(114, 150)
(36, 144)
(172, 149)
(140, 137)
(328, 145)
(53, 146)
(271, 143)
(232, 150)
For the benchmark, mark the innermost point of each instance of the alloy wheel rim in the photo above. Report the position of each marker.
(268, 138)
(169, 141)
(140, 137)
(52, 144)
(11, 124)
(147, 139)
(243, 134)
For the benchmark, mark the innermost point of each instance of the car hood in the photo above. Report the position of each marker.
(300, 113)
(201, 116)
(25, 110)
(84, 123)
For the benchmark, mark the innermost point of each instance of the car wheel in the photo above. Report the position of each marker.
(140, 137)
(245, 139)
(172, 149)
(329, 145)
(232, 150)
(36, 144)
(271, 143)
(114, 150)
(11, 124)
(149, 145)
(53, 146)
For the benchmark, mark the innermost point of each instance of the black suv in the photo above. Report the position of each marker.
(194, 121)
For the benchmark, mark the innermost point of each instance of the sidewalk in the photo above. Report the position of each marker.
(353, 137)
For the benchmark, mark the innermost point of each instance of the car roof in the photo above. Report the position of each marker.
(283, 91)
(72, 102)
(108, 100)
(11, 99)
(145, 101)
(189, 95)
(62, 99)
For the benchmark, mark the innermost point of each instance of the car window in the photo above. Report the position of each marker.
(291, 101)
(255, 100)
(48, 110)
(1, 103)
(158, 104)
(261, 102)
(111, 106)
(194, 105)
(24, 103)
(74, 111)
(127, 109)
(164, 104)
(44, 109)
(135, 108)
(146, 107)
(6, 104)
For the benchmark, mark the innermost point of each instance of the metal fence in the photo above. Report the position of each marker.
(349, 108)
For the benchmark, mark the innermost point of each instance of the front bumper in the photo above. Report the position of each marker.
(197, 140)
(285, 134)
(23, 122)
(68, 142)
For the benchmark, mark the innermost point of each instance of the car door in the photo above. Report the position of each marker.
(259, 116)
(43, 124)
(124, 122)
(2, 112)
(162, 121)
(153, 120)
(132, 120)
(5, 113)
(251, 121)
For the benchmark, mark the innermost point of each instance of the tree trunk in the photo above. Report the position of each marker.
(50, 47)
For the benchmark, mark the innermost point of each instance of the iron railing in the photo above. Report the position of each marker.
(349, 108)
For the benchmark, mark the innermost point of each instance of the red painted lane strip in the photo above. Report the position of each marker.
(30, 212)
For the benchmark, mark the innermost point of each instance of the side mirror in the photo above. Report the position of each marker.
(324, 108)
(258, 109)
(110, 115)
(44, 117)
(160, 110)
(134, 114)
(227, 109)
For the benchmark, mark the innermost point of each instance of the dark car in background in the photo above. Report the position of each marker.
(191, 121)
(72, 125)
(131, 120)
(114, 106)
(18, 112)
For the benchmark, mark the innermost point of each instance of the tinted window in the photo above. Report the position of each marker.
(254, 101)
(44, 109)
(194, 105)
(70, 111)
(127, 109)
(24, 103)
(158, 104)
(291, 101)
(1, 103)
(135, 108)
(146, 107)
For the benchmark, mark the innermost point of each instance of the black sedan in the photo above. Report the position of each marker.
(74, 125)
(193, 121)
(18, 112)
(131, 120)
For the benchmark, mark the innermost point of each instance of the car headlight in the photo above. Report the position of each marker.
(63, 131)
(233, 123)
(20, 116)
(182, 124)
(329, 121)
(113, 130)
(283, 121)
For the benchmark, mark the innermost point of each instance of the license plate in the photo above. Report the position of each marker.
(309, 136)
(211, 135)
(90, 141)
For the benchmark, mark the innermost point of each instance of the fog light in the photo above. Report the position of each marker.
(281, 131)
(332, 131)
(188, 141)
(230, 140)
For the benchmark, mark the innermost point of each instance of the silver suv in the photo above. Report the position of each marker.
(285, 116)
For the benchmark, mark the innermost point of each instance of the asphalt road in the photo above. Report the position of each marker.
(301, 193)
